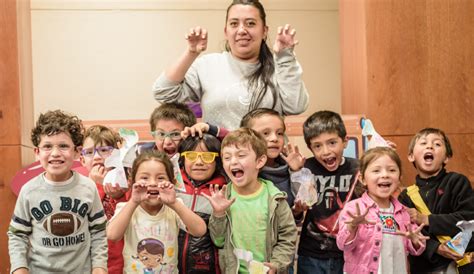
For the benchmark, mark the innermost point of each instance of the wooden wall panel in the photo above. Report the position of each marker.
(420, 69)
(16, 108)
(10, 163)
(420, 65)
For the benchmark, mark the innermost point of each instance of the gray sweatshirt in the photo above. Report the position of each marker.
(58, 228)
(218, 81)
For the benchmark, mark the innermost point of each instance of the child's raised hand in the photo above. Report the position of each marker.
(114, 191)
(292, 156)
(139, 192)
(358, 218)
(218, 200)
(198, 128)
(299, 207)
(167, 192)
(415, 236)
(97, 173)
(197, 39)
(417, 217)
(285, 38)
(446, 252)
(391, 144)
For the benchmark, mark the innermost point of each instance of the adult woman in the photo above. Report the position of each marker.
(244, 77)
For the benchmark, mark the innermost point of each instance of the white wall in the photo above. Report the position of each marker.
(99, 58)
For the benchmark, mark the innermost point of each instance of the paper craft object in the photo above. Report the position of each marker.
(116, 175)
(121, 158)
(375, 140)
(179, 186)
(307, 192)
(254, 267)
(459, 243)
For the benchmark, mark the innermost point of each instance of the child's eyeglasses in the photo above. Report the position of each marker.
(161, 135)
(50, 147)
(104, 151)
(206, 157)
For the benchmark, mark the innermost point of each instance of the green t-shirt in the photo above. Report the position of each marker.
(249, 223)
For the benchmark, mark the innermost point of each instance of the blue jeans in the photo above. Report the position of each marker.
(310, 265)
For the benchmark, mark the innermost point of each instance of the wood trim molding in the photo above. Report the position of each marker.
(303, 5)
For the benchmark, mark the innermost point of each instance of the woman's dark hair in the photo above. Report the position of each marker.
(266, 69)
(212, 144)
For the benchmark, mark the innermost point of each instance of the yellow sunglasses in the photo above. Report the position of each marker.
(206, 157)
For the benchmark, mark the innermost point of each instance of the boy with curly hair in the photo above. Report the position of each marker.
(58, 224)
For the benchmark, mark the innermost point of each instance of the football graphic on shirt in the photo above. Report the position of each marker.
(62, 224)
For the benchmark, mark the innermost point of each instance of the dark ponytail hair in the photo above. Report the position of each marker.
(265, 71)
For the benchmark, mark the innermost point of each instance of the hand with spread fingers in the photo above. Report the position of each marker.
(285, 38)
(292, 156)
(358, 219)
(218, 200)
(415, 236)
(197, 40)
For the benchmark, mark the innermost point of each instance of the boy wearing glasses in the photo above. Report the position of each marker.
(99, 143)
(58, 224)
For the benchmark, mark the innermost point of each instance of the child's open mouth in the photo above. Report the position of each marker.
(56, 162)
(384, 185)
(428, 157)
(237, 173)
(170, 151)
(330, 162)
(153, 193)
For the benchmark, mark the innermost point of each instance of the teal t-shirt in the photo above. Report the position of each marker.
(249, 223)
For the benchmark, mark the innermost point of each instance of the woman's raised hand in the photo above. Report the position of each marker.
(285, 38)
(197, 39)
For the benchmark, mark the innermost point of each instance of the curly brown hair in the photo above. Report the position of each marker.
(55, 122)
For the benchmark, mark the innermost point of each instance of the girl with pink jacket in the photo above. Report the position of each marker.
(375, 231)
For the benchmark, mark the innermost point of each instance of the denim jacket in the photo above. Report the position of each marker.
(280, 238)
(362, 254)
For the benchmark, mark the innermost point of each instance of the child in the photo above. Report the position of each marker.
(166, 123)
(58, 224)
(152, 214)
(271, 126)
(448, 197)
(201, 168)
(334, 175)
(375, 231)
(99, 143)
(251, 214)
